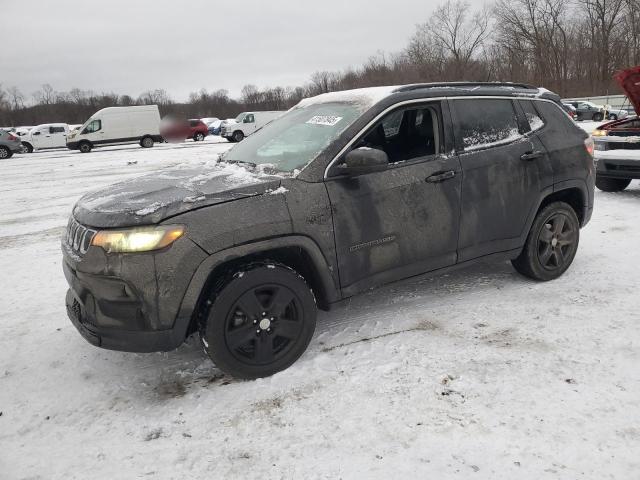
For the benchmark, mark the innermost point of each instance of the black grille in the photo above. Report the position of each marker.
(78, 236)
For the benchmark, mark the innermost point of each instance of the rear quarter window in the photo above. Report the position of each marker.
(557, 119)
(483, 123)
(533, 117)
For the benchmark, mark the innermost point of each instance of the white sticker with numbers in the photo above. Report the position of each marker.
(327, 120)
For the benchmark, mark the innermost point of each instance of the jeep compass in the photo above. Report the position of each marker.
(344, 192)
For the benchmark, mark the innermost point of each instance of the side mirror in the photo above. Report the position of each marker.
(364, 160)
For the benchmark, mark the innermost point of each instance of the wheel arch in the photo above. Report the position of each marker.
(298, 252)
(574, 195)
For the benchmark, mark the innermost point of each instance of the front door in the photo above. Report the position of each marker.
(503, 175)
(402, 221)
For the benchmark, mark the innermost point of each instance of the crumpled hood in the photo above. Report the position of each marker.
(152, 198)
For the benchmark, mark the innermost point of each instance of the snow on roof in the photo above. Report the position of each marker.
(365, 97)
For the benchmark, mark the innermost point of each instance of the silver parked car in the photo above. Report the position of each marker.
(9, 144)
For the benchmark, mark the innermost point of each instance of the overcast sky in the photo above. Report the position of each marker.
(135, 45)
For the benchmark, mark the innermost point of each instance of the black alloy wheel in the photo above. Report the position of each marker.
(552, 243)
(260, 322)
(556, 241)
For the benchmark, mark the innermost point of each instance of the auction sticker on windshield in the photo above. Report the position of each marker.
(327, 120)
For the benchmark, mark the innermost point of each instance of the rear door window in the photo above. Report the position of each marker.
(485, 122)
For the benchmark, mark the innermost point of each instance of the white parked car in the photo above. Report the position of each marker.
(117, 126)
(246, 123)
(45, 136)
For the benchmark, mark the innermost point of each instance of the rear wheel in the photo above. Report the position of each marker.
(146, 142)
(85, 147)
(598, 117)
(261, 321)
(198, 137)
(238, 136)
(612, 184)
(5, 153)
(552, 243)
(613, 116)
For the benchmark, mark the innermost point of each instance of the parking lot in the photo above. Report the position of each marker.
(479, 372)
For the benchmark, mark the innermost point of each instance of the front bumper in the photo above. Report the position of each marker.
(130, 302)
(610, 166)
(72, 145)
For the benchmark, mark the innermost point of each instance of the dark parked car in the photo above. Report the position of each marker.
(588, 111)
(9, 144)
(617, 144)
(181, 130)
(345, 192)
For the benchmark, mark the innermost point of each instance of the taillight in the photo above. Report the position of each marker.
(588, 144)
(12, 137)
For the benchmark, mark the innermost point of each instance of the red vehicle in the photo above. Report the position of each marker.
(617, 143)
(177, 130)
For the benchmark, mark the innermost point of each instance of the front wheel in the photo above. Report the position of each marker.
(198, 137)
(261, 321)
(613, 116)
(551, 245)
(612, 184)
(238, 136)
(85, 147)
(5, 153)
(146, 142)
(598, 117)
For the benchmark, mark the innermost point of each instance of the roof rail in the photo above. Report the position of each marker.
(417, 86)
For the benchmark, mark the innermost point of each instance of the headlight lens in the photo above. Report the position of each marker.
(599, 133)
(140, 239)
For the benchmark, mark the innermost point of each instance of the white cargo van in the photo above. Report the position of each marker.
(45, 136)
(246, 123)
(118, 125)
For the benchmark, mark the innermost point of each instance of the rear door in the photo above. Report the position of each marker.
(503, 172)
(58, 136)
(402, 221)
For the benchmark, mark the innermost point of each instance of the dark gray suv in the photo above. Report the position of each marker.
(345, 192)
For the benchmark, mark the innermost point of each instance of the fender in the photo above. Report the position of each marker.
(200, 277)
(585, 189)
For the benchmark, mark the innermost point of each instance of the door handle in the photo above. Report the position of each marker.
(441, 177)
(531, 155)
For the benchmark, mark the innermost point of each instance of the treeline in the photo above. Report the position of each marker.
(572, 48)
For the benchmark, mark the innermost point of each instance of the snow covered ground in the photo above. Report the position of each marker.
(476, 374)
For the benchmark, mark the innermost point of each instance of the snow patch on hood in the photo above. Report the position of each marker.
(151, 198)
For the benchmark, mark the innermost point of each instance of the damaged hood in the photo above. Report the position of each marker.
(153, 198)
(629, 81)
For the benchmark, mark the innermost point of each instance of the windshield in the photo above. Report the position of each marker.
(240, 117)
(296, 138)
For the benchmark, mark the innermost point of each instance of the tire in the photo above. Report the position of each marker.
(28, 148)
(5, 153)
(85, 147)
(198, 137)
(612, 184)
(551, 245)
(613, 116)
(598, 117)
(238, 136)
(146, 142)
(248, 336)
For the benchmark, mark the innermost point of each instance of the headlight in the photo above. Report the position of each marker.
(141, 239)
(599, 133)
